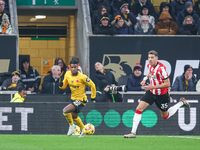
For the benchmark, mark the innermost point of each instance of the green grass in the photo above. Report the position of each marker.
(97, 142)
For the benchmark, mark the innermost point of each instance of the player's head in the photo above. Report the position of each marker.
(74, 67)
(153, 57)
(22, 92)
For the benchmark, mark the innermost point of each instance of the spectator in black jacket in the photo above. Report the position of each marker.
(125, 13)
(52, 81)
(96, 17)
(197, 7)
(95, 4)
(165, 6)
(104, 94)
(105, 27)
(189, 27)
(137, 7)
(30, 77)
(103, 74)
(12, 84)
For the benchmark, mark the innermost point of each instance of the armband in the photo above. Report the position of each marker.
(145, 78)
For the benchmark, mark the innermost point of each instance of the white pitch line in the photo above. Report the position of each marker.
(189, 137)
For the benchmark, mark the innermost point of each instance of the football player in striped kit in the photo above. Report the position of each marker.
(156, 91)
(77, 82)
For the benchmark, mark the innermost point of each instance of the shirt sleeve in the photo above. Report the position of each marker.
(65, 82)
(91, 84)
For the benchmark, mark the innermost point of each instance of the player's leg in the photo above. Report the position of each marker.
(172, 110)
(67, 113)
(79, 122)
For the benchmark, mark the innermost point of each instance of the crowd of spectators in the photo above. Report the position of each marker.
(112, 17)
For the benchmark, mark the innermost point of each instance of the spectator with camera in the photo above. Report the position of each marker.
(105, 94)
(13, 83)
(188, 10)
(133, 82)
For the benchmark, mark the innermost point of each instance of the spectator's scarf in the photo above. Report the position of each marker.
(4, 30)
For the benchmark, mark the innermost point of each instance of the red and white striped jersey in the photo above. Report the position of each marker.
(157, 75)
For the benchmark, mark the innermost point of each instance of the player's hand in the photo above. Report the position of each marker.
(61, 84)
(148, 87)
(143, 82)
(92, 99)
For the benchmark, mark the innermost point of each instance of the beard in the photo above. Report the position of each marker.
(145, 27)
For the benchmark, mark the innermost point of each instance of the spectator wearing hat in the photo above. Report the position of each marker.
(105, 27)
(186, 82)
(5, 27)
(96, 17)
(189, 27)
(104, 94)
(137, 7)
(165, 6)
(144, 27)
(188, 10)
(30, 77)
(125, 13)
(133, 82)
(145, 11)
(177, 6)
(13, 83)
(122, 26)
(165, 26)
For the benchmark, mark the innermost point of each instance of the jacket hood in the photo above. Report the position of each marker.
(165, 16)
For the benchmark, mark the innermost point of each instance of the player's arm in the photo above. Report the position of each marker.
(165, 84)
(92, 86)
(144, 80)
(64, 83)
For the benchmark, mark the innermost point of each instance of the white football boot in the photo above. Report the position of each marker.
(71, 129)
(130, 135)
(82, 134)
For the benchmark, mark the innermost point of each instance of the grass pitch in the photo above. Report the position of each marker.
(98, 142)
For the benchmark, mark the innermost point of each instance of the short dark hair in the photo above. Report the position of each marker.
(21, 88)
(25, 60)
(153, 52)
(73, 62)
(75, 58)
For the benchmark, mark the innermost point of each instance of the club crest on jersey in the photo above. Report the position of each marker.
(87, 80)
(153, 76)
(72, 81)
(77, 80)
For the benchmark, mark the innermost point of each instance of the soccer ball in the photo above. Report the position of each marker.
(89, 129)
(77, 131)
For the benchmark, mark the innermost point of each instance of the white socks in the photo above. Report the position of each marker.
(172, 110)
(136, 120)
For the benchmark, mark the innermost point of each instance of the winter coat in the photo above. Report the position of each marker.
(107, 30)
(139, 30)
(164, 28)
(189, 29)
(124, 29)
(7, 83)
(162, 5)
(30, 79)
(107, 75)
(179, 84)
(181, 17)
(136, 8)
(103, 96)
(177, 7)
(133, 83)
(50, 86)
(95, 4)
